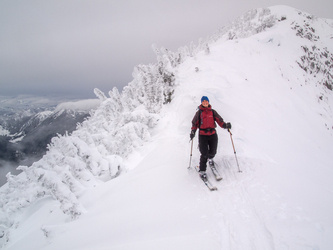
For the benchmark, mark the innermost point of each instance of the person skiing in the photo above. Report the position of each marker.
(204, 120)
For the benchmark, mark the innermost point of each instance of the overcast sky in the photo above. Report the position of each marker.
(69, 47)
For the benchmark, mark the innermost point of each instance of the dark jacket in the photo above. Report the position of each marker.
(204, 120)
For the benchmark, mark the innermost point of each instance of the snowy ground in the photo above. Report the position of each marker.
(283, 199)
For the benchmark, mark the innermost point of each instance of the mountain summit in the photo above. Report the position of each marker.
(120, 181)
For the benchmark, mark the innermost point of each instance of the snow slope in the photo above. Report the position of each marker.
(282, 131)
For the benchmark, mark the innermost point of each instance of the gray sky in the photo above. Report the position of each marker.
(69, 47)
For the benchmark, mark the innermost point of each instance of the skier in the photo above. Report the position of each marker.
(204, 120)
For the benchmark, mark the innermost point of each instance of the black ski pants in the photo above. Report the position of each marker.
(207, 147)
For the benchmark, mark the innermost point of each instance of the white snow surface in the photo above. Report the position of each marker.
(3, 131)
(283, 135)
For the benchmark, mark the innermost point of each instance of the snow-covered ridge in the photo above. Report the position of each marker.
(37, 119)
(97, 151)
(253, 22)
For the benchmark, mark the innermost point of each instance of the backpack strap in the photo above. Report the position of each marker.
(200, 111)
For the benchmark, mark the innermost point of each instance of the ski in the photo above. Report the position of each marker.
(216, 173)
(209, 185)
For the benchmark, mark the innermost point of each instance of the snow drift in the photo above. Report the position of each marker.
(269, 74)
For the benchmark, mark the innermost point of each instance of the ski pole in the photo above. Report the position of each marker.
(189, 166)
(234, 150)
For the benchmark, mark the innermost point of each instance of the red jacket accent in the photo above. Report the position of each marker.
(205, 119)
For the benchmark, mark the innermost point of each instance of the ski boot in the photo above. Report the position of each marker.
(203, 175)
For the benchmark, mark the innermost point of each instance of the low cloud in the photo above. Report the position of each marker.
(69, 47)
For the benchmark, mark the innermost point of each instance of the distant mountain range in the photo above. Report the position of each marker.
(26, 130)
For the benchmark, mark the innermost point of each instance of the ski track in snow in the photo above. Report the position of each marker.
(240, 224)
(244, 214)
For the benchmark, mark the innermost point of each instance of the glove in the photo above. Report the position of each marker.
(192, 134)
(226, 125)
